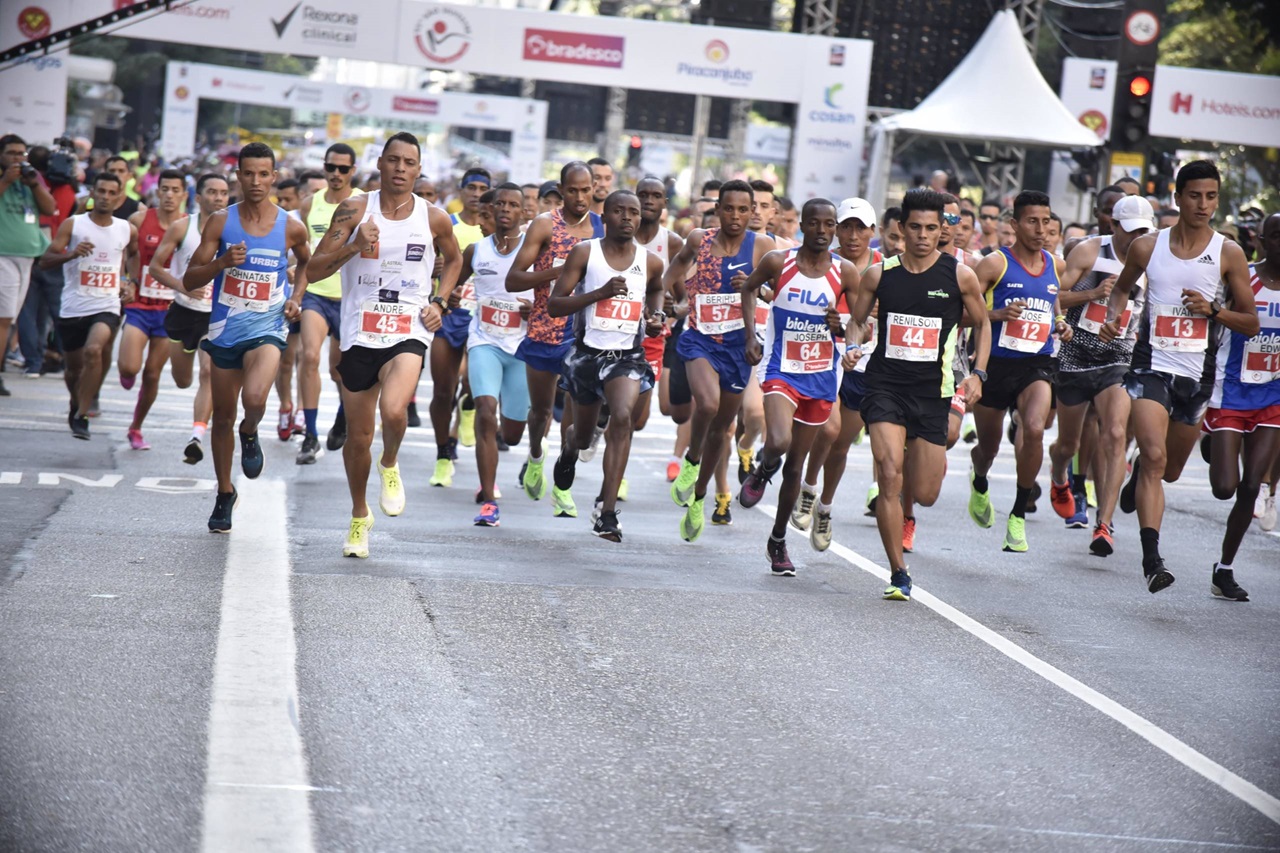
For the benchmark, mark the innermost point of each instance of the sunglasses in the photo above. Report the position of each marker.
(988, 217)
(951, 218)
(334, 167)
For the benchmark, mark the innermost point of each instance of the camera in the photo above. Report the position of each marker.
(28, 171)
(63, 165)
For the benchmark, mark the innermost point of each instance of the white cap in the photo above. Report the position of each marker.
(860, 209)
(1133, 212)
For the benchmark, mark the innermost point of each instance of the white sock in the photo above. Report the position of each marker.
(1222, 567)
(825, 509)
(808, 489)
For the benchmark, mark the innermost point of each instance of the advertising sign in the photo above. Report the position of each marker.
(1216, 106)
(826, 154)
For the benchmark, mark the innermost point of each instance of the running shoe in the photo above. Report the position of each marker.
(95, 409)
(692, 522)
(607, 526)
(1223, 585)
(1267, 521)
(673, 470)
(858, 439)
(1103, 544)
(753, 487)
(414, 419)
(136, 441)
(820, 531)
(251, 458)
(1129, 494)
(193, 452)
(299, 422)
(968, 432)
(1090, 495)
(1036, 492)
(503, 447)
(524, 466)
(682, 486)
(1080, 519)
(4, 392)
(126, 382)
(802, 515)
(452, 446)
(488, 516)
(80, 427)
(565, 470)
(589, 452)
(391, 498)
(467, 427)
(497, 494)
(337, 435)
(562, 505)
(1064, 504)
(534, 480)
(908, 534)
(284, 427)
(1157, 576)
(722, 515)
(443, 475)
(899, 588)
(1015, 535)
(980, 505)
(357, 544)
(872, 494)
(745, 460)
(779, 562)
(223, 504)
(307, 452)
(623, 489)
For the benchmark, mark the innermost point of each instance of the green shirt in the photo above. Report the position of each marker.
(20, 234)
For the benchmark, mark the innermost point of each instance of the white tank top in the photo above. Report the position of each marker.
(614, 324)
(660, 245)
(91, 285)
(1178, 338)
(496, 320)
(200, 300)
(385, 289)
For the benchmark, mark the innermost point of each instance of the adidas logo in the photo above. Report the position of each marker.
(1206, 259)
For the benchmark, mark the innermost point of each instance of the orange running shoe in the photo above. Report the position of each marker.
(908, 534)
(1102, 544)
(673, 470)
(1064, 503)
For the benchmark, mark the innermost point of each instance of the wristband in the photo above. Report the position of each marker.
(1061, 318)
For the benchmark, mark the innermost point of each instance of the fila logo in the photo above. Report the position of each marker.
(818, 300)
(1180, 103)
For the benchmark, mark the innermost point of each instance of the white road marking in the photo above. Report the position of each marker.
(256, 787)
(1240, 788)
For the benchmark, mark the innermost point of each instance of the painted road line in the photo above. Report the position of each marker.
(1240, 788)
(256, 788)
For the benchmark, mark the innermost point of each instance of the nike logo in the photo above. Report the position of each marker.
(737, 266)
(289, 91)
(283, 24)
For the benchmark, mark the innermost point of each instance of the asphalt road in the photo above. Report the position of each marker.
(534, 688)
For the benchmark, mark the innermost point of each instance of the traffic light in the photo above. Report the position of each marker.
(634, 151)
(1133, 110)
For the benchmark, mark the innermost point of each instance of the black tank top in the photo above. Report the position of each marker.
(919, 318)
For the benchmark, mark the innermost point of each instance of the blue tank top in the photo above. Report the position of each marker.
(248, 301)
(1032, 333)
(713, 277)
(1248, 369)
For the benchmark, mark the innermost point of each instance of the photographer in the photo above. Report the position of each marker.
(23, 199)
(39, 314)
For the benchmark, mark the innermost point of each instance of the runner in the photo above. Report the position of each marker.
(921, 295)
(449, 347)
(1244, 413)
(546, 245)
(660, 241)
(601, 183)
(1091, 373)
(712, 346)
(498, 325)
(1173, 367)
(856, 226)
(616, 287)
(290, 420)
(891, 236)
(322, 306)
(187, 320)
(798, 375)
(244, 252)
(751, 414)
(1021, 284)
(144, 315)
(379, 241)
(95, 250)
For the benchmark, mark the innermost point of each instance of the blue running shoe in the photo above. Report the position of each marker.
(899, 588)
(1080, 519)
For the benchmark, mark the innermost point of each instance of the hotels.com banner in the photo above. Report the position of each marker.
(1216, 106)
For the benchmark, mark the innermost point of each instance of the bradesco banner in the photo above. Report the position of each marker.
(831, 121)
(1216, 106)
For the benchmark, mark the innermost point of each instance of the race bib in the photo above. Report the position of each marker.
(1029, 333)
(718, 313)
(911, 337)
(807, 352)
(616, 315)
(1261, 362)
(247, 289)
(500, 317)
(467, 296)
(1095, 314)
(385, 323)
(1175, 329)
(103, 279)
(153, 289)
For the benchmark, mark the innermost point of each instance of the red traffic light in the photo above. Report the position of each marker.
(636, 142)
(1140, 87)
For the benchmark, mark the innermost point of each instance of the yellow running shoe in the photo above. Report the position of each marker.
(562, 503)
(467, 427)
(722, 514)
(682, 488)
(357, 544)
(443, 476)
(1015, 535)
(1090, 494)
(391, 499)
(534, 482)
(693, 521)
(746, 458)
(980, 505)
(623, 489)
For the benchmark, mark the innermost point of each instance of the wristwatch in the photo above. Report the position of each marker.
(660, 316)
(436, 300)
(981, 374)
(1214, 307)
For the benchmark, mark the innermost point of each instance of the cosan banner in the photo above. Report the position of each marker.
(826, 153)
(1216, 106)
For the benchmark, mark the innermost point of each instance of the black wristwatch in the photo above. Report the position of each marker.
(981, 374)
(436, 300)
(1214, 307)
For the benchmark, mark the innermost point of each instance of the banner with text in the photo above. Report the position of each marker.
(34, 100)
(831, 121)
(1216, 106)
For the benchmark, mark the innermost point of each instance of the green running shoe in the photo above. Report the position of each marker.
(682, 488)
(562, 503)
(443, 476)
(534, 482)
(693, 522)
(1015, 535)
(980, 506)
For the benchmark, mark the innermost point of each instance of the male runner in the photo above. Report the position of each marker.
(662, 242)
(712, 346)
(1021, 286)
(126, 207)
(425, 189)
(616, 288)
(187, 320)
(530, 193)
(1173, 367)
(921, 296)
(601, 183)
(381, 243)
(95, 250)
(1091, 373)
(144, 315)
(547, 243)
(786, 219)
(892, 239)
(989, 222)
(244, 252)
(449, 347)
(322, 304)
(287, 197)
(798, 375)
